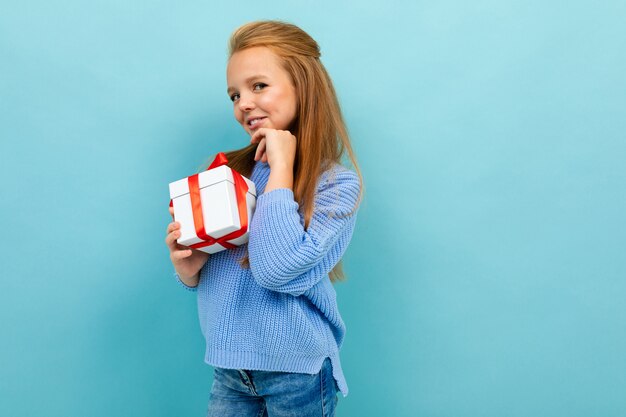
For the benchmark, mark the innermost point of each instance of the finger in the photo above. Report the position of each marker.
(181, 254)
(264, 158)
(260, 150)
(173, 226)
(170, 241)
(171, 238)
(258, 135)
(255, 136)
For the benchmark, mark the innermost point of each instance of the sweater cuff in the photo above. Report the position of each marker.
(187, 287)
(279, 194)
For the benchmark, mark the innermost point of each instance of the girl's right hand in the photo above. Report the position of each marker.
(186, 261)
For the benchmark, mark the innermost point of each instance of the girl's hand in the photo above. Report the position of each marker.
(276, 147)
(186, 261)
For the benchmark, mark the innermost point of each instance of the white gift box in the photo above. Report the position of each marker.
(219, 207)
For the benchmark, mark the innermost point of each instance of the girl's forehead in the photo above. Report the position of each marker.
(257, 59)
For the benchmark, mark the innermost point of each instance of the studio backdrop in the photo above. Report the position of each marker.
(486, 274)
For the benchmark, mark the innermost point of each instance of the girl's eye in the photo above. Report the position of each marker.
(256, 87)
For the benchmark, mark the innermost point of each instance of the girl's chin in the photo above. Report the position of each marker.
(253, 131)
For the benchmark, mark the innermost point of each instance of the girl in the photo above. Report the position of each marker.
(268, 309)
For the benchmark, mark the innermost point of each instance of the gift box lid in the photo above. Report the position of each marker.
(208, 178)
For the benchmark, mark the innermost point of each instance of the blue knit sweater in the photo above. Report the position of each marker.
(281, 314)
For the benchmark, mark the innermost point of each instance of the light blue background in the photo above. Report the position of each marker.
(486, 274)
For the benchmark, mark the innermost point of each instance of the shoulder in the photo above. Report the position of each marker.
(337, 175)
(339, 187)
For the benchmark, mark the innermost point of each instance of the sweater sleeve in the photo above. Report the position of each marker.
(285, 257)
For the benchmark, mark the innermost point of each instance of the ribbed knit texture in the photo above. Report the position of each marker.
(281, 314)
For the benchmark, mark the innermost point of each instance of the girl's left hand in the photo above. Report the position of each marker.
(276, 147)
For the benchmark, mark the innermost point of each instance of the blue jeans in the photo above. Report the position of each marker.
(241, 393)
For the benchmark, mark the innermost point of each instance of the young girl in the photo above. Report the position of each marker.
(268, 309)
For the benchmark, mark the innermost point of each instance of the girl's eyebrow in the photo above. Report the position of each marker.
(247, 80)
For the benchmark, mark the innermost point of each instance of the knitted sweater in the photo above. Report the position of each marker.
(281, 314)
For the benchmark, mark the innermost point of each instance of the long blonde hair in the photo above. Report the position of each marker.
(322, 136)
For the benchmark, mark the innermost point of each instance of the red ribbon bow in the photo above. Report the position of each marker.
(241, 188)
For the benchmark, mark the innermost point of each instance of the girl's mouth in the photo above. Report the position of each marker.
(255, 123)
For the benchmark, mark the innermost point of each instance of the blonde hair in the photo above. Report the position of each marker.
(322, 136)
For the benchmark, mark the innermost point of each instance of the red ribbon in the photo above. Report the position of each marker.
(241, 189)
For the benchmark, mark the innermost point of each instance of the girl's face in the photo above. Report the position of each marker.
(262, 92)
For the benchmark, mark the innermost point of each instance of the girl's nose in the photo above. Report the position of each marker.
(245, 104)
